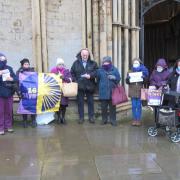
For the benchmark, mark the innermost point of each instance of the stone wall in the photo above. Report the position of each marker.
(64, 30)
(16, 30)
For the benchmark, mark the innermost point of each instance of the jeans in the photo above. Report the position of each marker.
(90, 102)
(136, 108)
(112, 111)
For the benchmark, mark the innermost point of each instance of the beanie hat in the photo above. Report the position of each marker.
(107, 59)
(23, 61)
(2, 55)
(137, 59)
(59, 61)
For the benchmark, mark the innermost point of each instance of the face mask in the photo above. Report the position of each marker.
(136, 65)
(3, 64)
(159, 69)
(107, 66)
(178, 68)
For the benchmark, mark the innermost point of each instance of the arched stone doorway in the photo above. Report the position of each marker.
(160, 37)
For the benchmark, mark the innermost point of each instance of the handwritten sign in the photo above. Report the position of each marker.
(135, 77)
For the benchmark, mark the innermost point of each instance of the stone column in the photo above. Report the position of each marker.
(44, 36)
(36, 39)
(89, 24)
(115, 39)
(84, 42)
(137, 43)
(126, 38)
(119, 37)
(109, 27)
(95, 15)
(103, 29)
(133, 31)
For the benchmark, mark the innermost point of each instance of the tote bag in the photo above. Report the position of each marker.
(119, 95)
(70, 89)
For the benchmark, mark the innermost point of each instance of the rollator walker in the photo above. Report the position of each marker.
(167, 117)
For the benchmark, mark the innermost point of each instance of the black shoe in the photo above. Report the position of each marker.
(103, 122)
(25, 125)
(91, 120)
(34, 124)
(114, 123)
(63, 121)
(81, 121)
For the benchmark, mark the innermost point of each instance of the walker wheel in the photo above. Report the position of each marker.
(175, 137)
(152, 131)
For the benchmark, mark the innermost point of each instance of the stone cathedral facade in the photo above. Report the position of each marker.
(43, 30)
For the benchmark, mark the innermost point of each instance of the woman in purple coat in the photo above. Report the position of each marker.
(160, 74)
(159, 78)
(65, 75)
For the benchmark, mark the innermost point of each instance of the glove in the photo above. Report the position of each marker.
(111, 77)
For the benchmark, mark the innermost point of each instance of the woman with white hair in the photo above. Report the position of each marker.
(65, 75)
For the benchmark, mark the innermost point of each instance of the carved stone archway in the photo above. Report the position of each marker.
(146, 6)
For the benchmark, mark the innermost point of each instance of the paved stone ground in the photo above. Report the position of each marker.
(88, 152)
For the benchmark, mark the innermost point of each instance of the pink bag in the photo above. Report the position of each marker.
(144, 94)
(119, 95)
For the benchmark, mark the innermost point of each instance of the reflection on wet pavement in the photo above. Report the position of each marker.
(88, 152)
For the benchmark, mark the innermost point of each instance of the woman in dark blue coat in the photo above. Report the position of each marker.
(7, 84)
(108, 77)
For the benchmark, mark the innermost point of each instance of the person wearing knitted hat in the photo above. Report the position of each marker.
(135, 90)
(7, 78)
(25, 67)
(65, 75)
(108, 77)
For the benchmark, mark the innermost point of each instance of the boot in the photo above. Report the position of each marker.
(59, 117)
(63, 110)
(33, 120)
(25, 125)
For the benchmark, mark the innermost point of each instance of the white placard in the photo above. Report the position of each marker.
(5, 74)
(135, 77)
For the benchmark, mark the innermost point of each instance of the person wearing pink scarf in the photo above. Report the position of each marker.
(65, 75)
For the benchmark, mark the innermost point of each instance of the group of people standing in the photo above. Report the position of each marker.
(161, 77)
(89, 76)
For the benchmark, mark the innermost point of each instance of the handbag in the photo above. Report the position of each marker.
(144, 94)
(119, 95)
(70, 89)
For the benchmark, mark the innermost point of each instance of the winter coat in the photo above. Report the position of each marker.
(7, 87)
(78, 69)
(159, 79)
(66, 76)
(21, 70)
(172, 82)
(135, 88)
(106, 85)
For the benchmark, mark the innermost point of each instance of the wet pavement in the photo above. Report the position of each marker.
(88, 152)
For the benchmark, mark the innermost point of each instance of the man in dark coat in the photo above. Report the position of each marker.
(83, 72)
